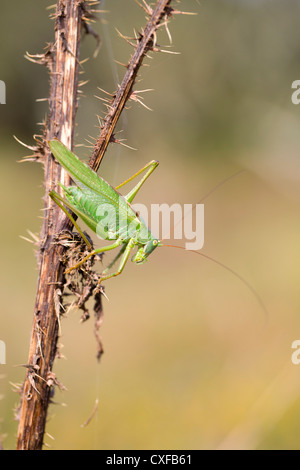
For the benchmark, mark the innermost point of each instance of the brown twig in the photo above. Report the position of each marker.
(145, 42)
(62, 60)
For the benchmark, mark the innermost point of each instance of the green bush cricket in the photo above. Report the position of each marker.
(104, 210)
(110, 215)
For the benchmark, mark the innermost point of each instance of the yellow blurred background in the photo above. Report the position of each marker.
(190, 361)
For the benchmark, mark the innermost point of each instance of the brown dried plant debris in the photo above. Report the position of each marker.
(83, 283)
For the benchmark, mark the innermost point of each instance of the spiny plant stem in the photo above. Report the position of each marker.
(145, 43)
(62, 61)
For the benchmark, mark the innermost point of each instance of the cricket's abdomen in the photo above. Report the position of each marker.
(111, 222)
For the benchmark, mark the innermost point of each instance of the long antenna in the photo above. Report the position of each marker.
(205, 197)
(246, 283)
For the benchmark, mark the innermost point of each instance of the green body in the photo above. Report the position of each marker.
(103, 209)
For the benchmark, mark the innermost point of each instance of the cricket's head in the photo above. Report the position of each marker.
(145, 250)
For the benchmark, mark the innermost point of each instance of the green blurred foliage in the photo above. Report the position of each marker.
(189, 362)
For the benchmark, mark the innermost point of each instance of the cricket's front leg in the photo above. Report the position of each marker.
(93, 253)
(124, 260)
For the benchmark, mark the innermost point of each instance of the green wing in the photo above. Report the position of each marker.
(82, 174)
(96, 188)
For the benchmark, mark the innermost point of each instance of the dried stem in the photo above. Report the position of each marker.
(62, 60)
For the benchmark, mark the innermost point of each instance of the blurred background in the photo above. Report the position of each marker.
(190, 362)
